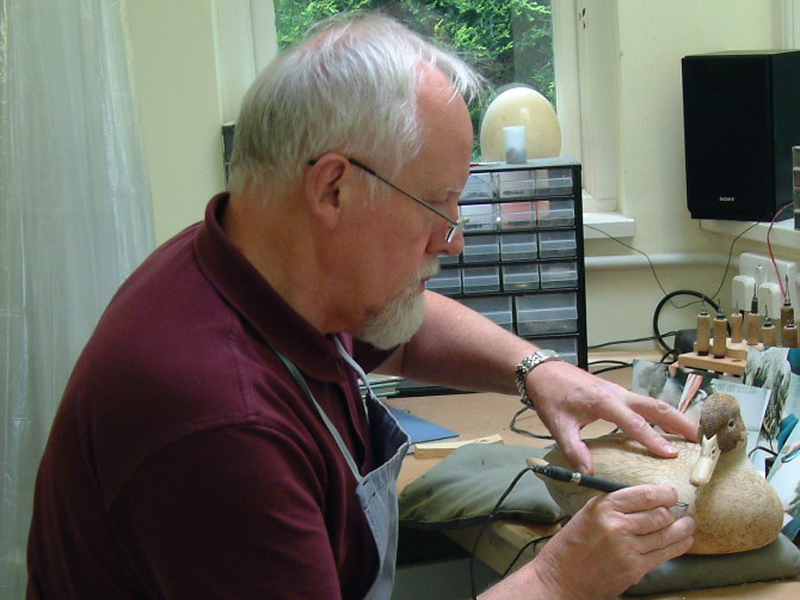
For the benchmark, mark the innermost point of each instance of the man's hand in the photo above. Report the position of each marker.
(568, 398)
(612, 542)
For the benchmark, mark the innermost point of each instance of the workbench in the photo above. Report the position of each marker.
(478, 415)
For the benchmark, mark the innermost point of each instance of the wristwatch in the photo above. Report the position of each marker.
(528, 364)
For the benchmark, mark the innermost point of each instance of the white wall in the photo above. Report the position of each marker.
(179, 95)
(173, 44)
(653, 36)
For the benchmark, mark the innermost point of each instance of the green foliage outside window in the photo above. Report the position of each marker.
(508, 41)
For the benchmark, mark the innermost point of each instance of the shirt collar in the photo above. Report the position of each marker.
(257, 302)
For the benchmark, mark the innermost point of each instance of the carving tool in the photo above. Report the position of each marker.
(542, 467)
(703, 344)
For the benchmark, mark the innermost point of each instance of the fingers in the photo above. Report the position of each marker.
(577, 453)
(639, 518)
(568, 404)
(617, 538)
(641, 498)
(635, 415)
(661, 413)
(668, 542)
(644, 516)
(637, 426)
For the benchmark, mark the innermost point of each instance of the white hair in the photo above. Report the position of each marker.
(350, 87)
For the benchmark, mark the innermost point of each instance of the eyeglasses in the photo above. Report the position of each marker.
(455, 226)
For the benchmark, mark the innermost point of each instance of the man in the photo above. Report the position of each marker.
(213, 442)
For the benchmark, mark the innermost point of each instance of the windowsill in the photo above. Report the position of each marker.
(600, 225)
(782, 235)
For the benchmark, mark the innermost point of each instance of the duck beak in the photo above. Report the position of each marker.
(706, 463)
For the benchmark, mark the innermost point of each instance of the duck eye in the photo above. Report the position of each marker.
(731, 424)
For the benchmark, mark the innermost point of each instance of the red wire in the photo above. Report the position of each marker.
(769, 249)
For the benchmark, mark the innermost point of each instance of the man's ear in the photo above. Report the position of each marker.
(325, 180)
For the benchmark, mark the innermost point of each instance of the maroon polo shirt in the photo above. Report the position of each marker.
(185, 462)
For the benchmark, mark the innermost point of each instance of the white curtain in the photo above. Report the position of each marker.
(75, 219)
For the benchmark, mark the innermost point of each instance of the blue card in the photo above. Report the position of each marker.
(420, 430)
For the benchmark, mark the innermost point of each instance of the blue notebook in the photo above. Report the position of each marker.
(420, 430)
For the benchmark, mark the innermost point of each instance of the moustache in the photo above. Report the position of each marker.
(431, 270)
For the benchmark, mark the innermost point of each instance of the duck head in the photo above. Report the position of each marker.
(721, 430)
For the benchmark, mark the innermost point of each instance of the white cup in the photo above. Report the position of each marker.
(516, 145)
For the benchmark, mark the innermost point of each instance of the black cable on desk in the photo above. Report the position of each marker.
(649, 338)
(614, 365)
(489, 518)
(513, 426)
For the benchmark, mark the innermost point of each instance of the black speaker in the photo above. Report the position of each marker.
(741, 117)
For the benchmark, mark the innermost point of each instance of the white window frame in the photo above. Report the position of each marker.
(789, 18)
(585, 41)
(245, 40)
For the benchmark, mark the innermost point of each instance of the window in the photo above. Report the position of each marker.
(564, 49)
(508, 42)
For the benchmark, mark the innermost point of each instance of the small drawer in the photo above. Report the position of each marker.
(567, 347)
(517, 215)
(516, 184)
(479, 187)
(447, 282)
(559, 275)
(557, 244)
(555, 213)
(518, 246)
(448, 259)
(481, 248)
(544, 314)
(477, 280)
(520, 277)
(482, 217)
(553, 182)
(496, 308)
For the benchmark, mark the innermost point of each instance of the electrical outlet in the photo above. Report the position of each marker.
(743, 287)
(762, 270)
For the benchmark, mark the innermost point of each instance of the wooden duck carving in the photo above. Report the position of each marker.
(734, 507)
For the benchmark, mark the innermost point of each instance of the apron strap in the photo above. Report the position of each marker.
(359, 371)
(298, 377)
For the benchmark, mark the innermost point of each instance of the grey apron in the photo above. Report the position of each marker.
(377, 490)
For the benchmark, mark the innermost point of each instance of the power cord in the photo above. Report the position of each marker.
(769, 249)
(526, 432)
(668, 298)
(489, 518)
(522, 550)
(614, 365)
(632, 341)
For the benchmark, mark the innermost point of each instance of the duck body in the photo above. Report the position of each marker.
(736, 511)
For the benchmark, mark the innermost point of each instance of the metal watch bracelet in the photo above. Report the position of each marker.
(528, 364)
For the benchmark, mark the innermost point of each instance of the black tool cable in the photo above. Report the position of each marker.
(489, 518)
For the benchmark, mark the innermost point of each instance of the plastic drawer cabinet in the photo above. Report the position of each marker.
(522, 264)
